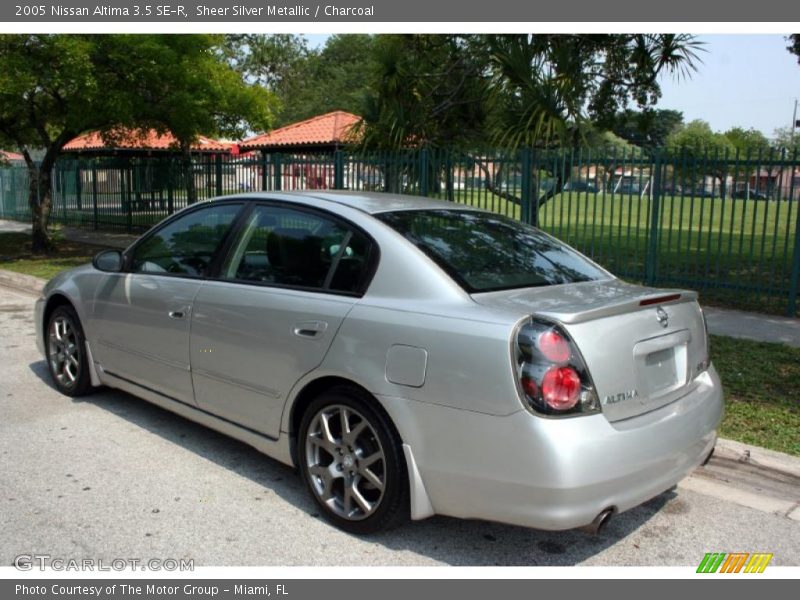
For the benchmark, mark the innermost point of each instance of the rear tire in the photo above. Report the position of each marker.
(65, 346)
(351, 459)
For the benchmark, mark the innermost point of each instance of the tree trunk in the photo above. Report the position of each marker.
(493, 185)
(40, 200)
(188, 171)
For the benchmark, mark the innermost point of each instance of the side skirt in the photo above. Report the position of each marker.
(277, 449)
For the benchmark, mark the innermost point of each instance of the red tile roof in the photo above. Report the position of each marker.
(328, 129)
(143, 140)
(10, 156)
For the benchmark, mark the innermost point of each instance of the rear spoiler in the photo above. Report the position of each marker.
(621, 306)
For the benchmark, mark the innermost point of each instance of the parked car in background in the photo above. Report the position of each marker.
(409, 356)
(581, 185)
(751, 193)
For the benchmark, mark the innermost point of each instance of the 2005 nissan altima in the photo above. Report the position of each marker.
(411, 357)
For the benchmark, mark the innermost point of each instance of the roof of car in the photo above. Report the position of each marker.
(370, 202)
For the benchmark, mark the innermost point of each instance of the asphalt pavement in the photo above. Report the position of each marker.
(112, 476)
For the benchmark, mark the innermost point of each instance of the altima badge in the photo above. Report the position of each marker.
(662, 316)
(614, 398)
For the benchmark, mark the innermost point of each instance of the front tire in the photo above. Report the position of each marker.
(351, 459)
(66, 352)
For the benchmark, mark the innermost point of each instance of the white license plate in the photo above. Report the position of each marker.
(660, 370)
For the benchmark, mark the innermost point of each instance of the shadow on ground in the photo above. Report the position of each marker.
(438, 538)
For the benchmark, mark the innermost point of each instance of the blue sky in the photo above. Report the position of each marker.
(744, 80)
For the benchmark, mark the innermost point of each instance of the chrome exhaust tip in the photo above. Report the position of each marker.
(599, 522)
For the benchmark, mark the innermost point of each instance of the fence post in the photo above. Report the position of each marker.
(218, 173)
(79, 185)
(449, 182)
(129, 190)
(94, 193)
(264, 171)
(170, 186)
(794, 281)
(423, 172)
(62, 187)
(526, 166)
(338, 170)
(276, 175)
(651, 261)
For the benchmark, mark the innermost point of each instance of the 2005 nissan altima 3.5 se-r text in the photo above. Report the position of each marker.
(410, 357)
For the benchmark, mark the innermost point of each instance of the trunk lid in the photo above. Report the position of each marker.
(638, 360)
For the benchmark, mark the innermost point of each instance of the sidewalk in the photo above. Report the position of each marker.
(753, 326)
(86, 236)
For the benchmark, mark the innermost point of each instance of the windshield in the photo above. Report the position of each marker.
(485, 252)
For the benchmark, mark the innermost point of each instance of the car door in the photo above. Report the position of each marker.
(142, 315)
(289, 280)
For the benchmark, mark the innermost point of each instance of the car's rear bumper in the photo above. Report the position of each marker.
(556, 473)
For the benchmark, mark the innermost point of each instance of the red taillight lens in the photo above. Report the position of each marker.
(552, 377)
(561, 387)
(553, 346)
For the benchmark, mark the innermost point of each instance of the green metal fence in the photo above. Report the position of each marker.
(724, 225)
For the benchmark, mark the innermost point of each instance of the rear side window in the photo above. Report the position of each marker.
(282, 246)
(485, 252)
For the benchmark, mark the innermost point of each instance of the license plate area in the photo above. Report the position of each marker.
(660, 370)
(661, 364)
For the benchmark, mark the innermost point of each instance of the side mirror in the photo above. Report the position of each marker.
(108, 261)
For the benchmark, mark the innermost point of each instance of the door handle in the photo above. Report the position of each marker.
(309, 329)
(176, 314)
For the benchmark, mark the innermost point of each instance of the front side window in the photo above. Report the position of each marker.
(186, 246)
(287, 247)
(484, 252)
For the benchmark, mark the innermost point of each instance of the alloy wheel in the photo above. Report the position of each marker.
(346, 463)
(64, 354)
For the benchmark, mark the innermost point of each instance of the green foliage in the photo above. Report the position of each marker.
(425, 90)
(513, 90)
(268, 60)
(183, 84)
(748, 142)
(696, 139)
(784, 140)
(794, 45)
(307, 82)
(334, 78)
(55, 87)
(647, 128)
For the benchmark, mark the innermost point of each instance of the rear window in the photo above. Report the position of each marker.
(484, 252)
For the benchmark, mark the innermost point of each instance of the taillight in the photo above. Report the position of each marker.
(552, 375)
(561, 387)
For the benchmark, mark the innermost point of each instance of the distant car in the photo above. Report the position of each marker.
(750, 193)
(409, 356)
(579, 185)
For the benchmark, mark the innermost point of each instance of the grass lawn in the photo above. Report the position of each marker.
(16, 255)
(762, 392)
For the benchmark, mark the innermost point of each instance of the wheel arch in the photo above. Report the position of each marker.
(53, 302)
(319, 385)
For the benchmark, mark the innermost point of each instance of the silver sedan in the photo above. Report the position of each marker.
(410, 357)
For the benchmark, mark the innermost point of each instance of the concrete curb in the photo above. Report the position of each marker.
(20, 281)
(760, 457)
